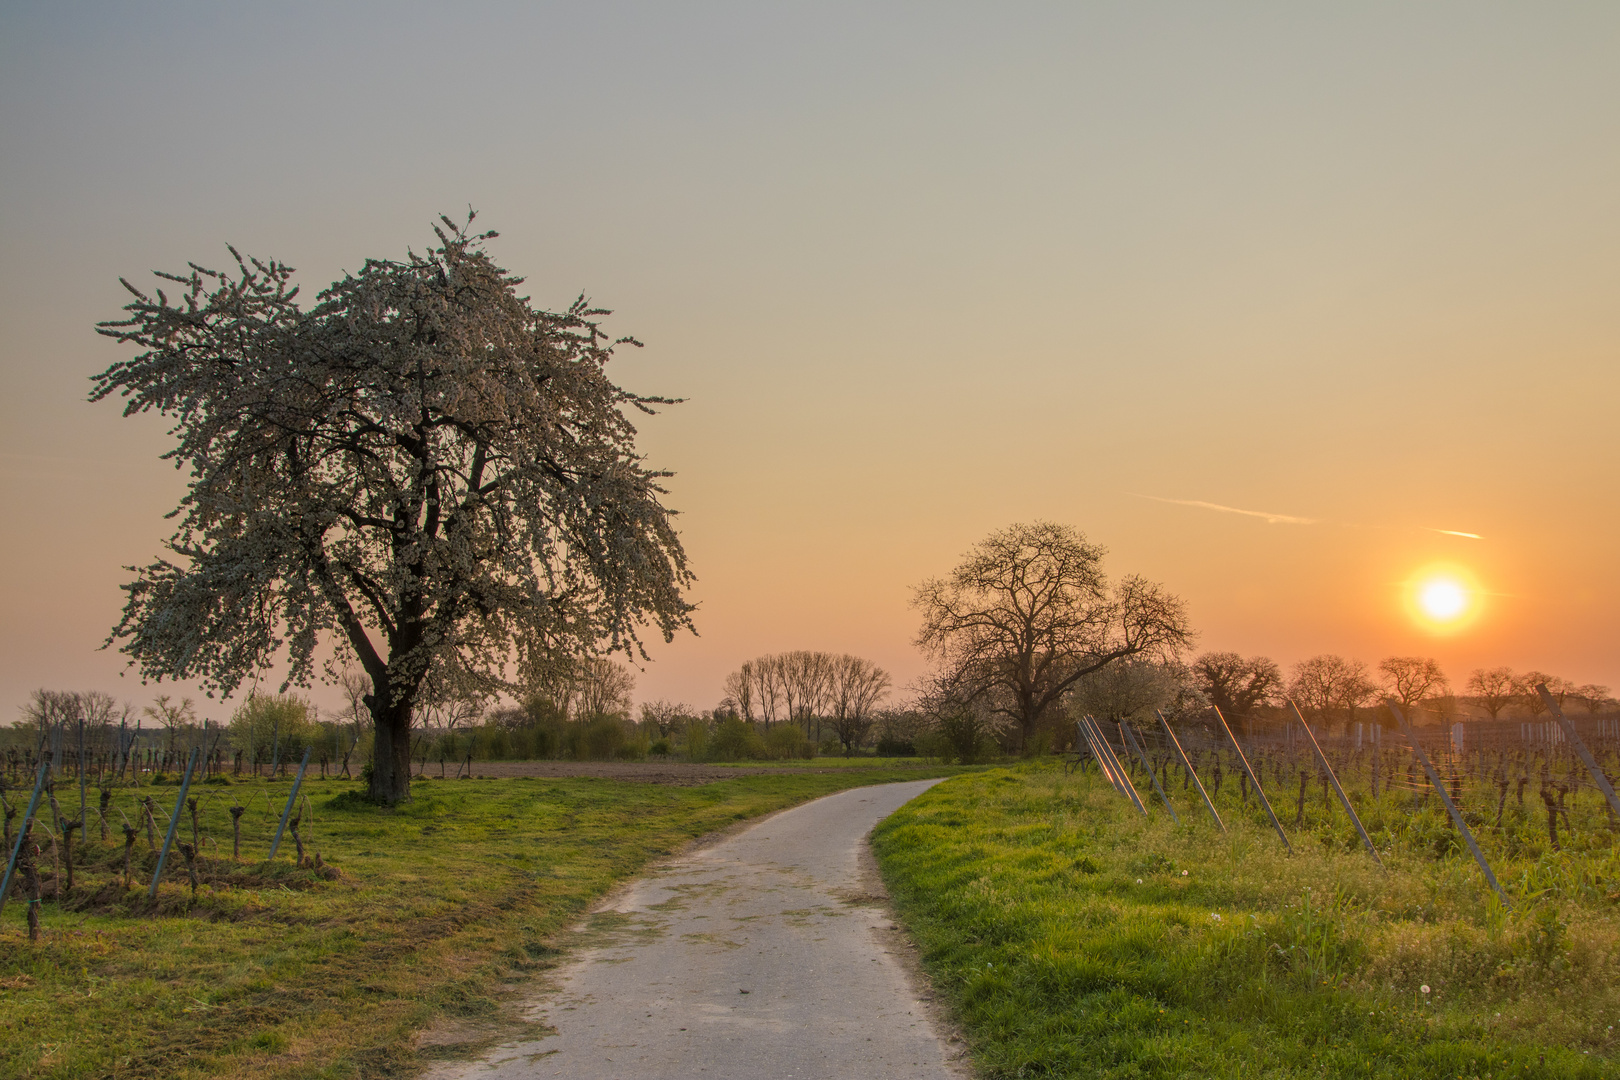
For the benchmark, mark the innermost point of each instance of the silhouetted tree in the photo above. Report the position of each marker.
(1328, 682)
(1029, 612)
(1411, 679)
(1234, 684)
(1493, 688)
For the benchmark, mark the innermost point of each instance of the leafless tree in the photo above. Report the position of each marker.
(173, 716)
(1411, 679)
(604, 688)
(101, 709)
(1524, 691)
(1029, 612)
(757, 689)
(421, 468)
(1328, 682)
(739, 691)
(806, 682)
(355, 686)
(1235, 684)
(666, 716)
(855, 686)
(1560, 688)
(1493, 689)
(48, 709)
(1593, 696)
(452, 714)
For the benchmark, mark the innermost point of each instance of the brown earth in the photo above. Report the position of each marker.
(678, 773)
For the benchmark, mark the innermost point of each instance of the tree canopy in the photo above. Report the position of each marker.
(421, 468)
(1029, 612)
(1237, 685)
(1327, 682)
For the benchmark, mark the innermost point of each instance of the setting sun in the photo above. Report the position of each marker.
(1443, 598)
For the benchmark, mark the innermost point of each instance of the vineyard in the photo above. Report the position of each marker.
(1106, 920)
(1520, 794)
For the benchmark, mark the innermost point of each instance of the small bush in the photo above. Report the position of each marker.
(602, 738)
(894, 746)
(736, 740)
(786, 741)
(697, 740)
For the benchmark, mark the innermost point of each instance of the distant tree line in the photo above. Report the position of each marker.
(1027, 634)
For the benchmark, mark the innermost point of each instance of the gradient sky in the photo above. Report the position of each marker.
(921, 270)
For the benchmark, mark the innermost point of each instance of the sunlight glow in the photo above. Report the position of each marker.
(1443, 598)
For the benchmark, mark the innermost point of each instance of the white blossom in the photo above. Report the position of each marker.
(420, 467)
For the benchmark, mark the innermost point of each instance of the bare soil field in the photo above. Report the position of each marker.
(677, 773)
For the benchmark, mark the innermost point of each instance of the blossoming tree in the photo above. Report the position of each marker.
(420, 472)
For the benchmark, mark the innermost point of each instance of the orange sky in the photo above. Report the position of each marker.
(921, 272)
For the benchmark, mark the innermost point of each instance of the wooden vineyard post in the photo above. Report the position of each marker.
(292, 800)
(1119, 766)
(1574, 738)
(1130, 736)
(1102, 762)
(1253, 779)
(174, 823)
(1103, 758)
(22, 830)
(1193, 773)
(1128, 788)
(1445, 797)
(1322, 760)
(82, 789)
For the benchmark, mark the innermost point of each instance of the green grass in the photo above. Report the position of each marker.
(831, 761)
(441, 908)
(1075, 938)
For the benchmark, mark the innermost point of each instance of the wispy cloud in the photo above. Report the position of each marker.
(1454, 532)
(1266, 516)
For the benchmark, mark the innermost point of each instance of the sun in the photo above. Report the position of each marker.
(1443, 598)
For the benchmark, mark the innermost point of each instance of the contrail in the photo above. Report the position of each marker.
(1269, 518)
(1454, 532)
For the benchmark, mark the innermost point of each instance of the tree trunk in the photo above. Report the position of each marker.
(391, 757)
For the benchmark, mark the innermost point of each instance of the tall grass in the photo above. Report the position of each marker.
(1077, 938)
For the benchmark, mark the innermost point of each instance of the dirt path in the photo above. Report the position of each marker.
(769, 954)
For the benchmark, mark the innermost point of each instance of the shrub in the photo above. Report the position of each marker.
(736, 740)
(786, 741)
(601, 738)
(894, 746)
(966, 737)
(697, 740)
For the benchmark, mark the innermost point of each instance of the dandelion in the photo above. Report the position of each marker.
(1214, 916)
(1184, 873)
(1139, 881)
(1424, 988)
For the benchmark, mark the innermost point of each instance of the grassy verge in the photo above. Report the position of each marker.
(831, 761)
(434, 910)
(1076, 938)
